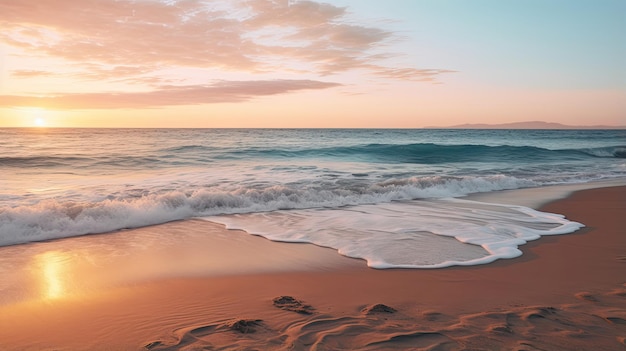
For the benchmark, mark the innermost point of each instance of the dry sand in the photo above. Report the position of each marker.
(565, 293)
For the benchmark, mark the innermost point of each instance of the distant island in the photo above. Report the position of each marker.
(525, 125)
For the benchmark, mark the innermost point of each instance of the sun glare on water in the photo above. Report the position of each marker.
(52, 268)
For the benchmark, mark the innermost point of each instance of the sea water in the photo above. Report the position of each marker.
(390, 197)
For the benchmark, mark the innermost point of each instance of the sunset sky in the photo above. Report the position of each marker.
(331, 63)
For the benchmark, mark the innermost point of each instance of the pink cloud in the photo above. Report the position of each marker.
(31, 73)
(297, 14)
(132, 41)
(409, 73)
(224, 91)
(191, 33)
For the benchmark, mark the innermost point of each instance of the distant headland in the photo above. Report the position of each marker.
(526, 125)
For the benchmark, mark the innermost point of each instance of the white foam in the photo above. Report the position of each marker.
(412, 234)
(58, 218)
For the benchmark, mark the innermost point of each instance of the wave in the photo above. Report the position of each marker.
(447, 232)
(39, 161)
(423, 153)
(50, 219)
(84, 161)
(611, 151)
(429, 153)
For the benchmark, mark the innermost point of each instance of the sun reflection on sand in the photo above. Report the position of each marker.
(53, 269)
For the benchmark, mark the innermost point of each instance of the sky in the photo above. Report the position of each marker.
(311, 64)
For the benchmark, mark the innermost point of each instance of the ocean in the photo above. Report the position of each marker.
(390, 197)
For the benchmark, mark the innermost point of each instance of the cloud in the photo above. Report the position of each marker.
(409, 73)
(146, 33)
(192, 33)
(297, 14)
(30, 73)
(134, 41)
(220, 92)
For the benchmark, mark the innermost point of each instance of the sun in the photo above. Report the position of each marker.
(35, 116)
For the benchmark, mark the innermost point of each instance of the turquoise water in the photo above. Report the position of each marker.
(64, 182)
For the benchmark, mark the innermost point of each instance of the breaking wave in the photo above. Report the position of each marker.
(50, 219)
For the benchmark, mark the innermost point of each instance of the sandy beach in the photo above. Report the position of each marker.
(325, 175)
(566, 292)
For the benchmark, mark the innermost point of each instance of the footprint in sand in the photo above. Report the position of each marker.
(289, 303)
(378, 308)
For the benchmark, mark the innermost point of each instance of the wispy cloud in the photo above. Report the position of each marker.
(30, 73)
(130, 40)
(409, 73)
(226, 91)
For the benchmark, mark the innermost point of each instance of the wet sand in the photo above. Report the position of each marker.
(566, 292)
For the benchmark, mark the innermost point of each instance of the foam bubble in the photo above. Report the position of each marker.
(416, 234)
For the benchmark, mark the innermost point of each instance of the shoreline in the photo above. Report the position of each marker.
(565, 290)
(538, 197)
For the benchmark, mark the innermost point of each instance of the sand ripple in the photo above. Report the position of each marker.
(593, 321)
